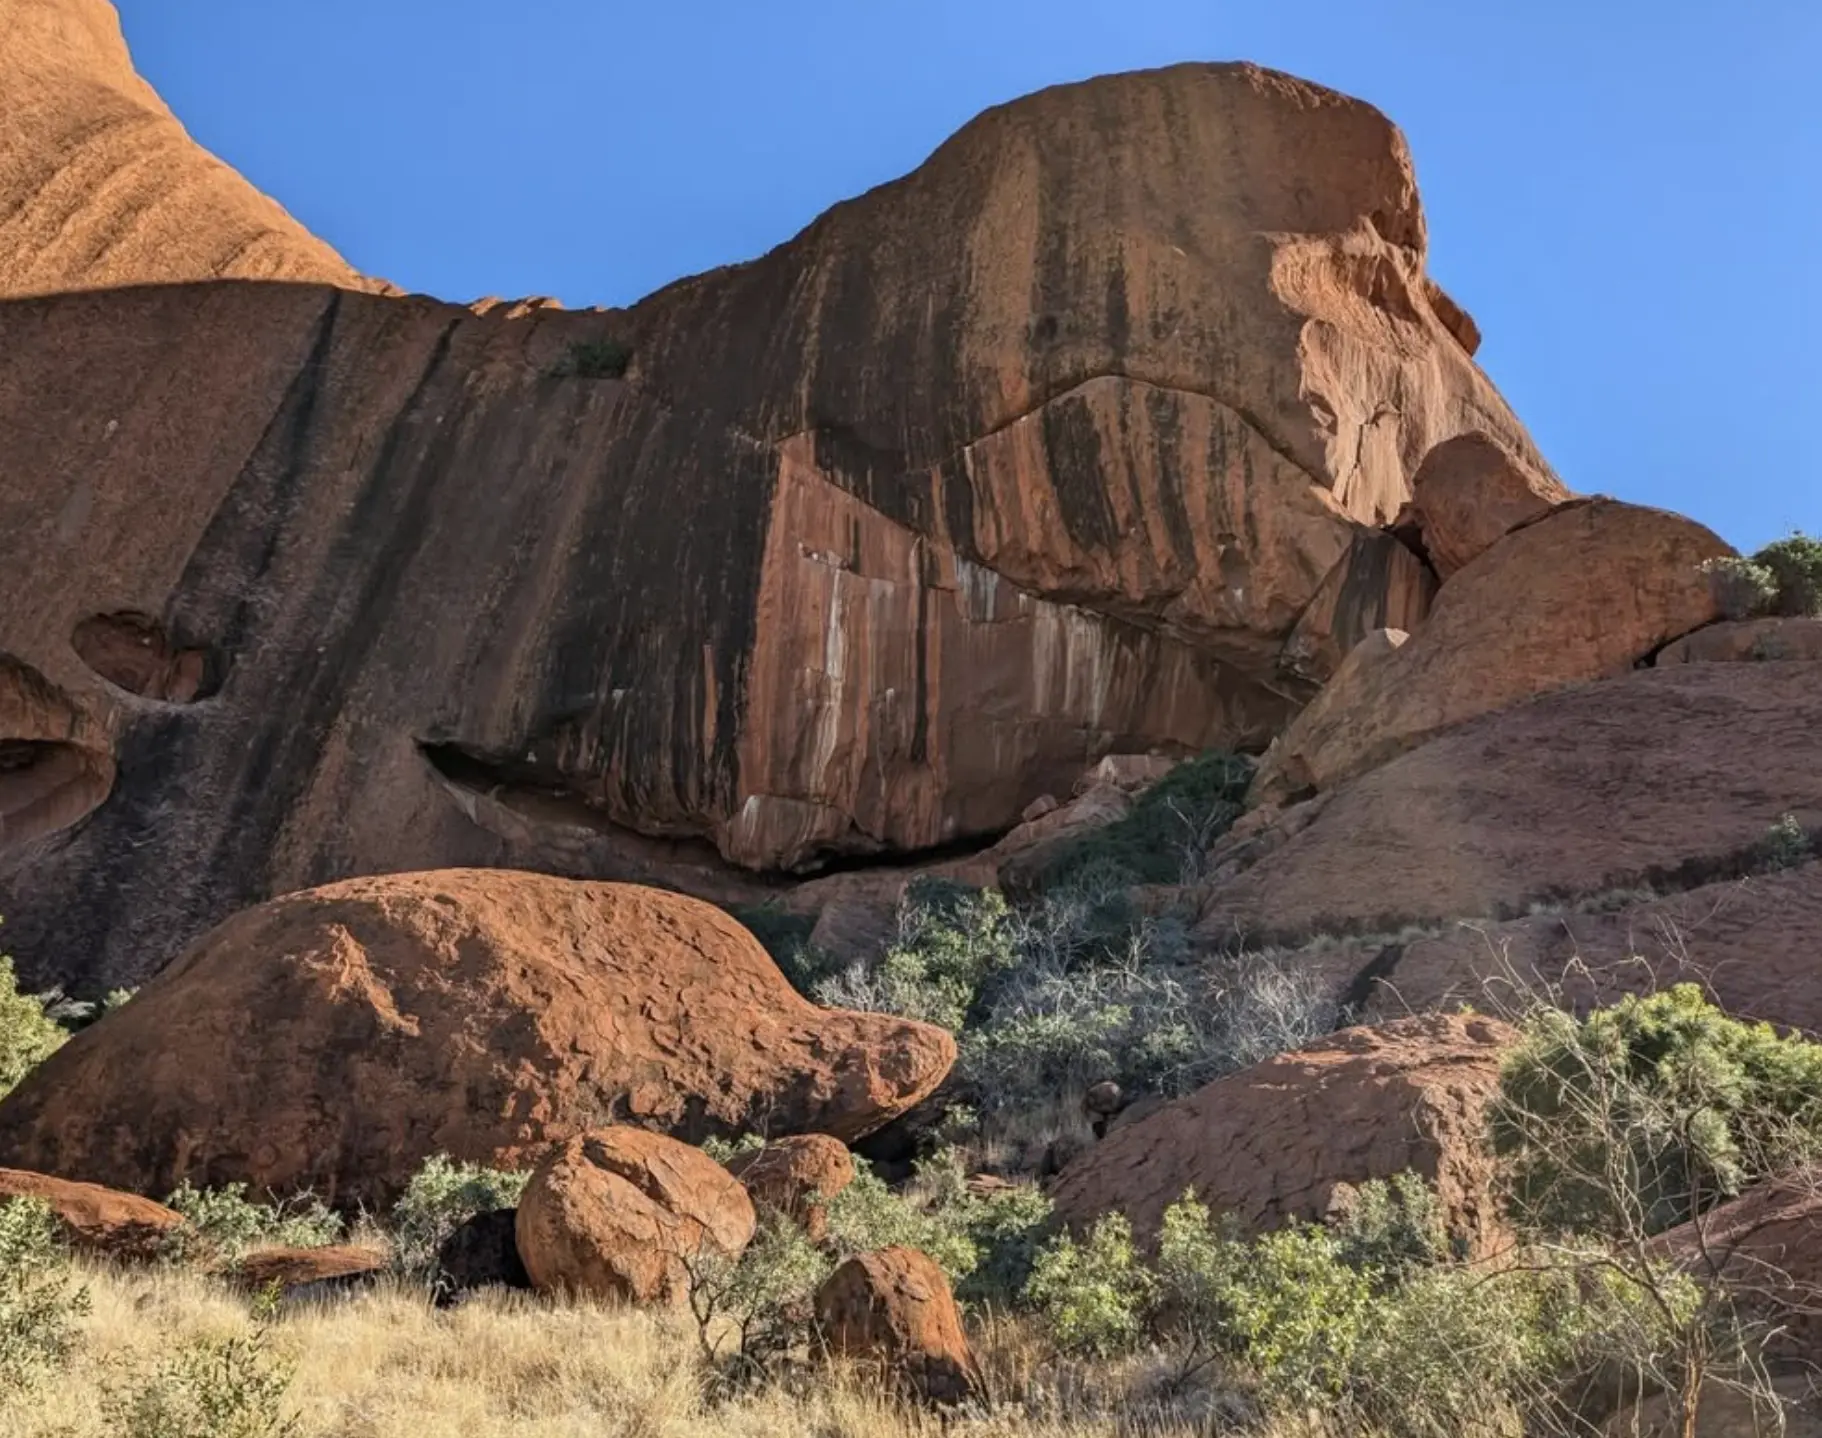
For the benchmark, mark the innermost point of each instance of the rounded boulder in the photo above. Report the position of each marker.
(893, 1310)
(796, 1177)
(621, 1213)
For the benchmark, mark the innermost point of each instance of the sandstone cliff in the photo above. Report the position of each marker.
(1046, 449)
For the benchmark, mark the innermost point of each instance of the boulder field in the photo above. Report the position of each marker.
(1083, 437)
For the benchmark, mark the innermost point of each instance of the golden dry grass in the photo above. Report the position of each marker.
(388, 1365)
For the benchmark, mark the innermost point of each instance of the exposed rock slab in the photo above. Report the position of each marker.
(330, 1266)
(620, 1213)
(97, 1220)
(1038, 454)
(1272, 1142)
(1662, 775)
(1748, 641)
(1582, 594)
(796, 1176)
(101, 186)
(892, 1309)
(332, 1040)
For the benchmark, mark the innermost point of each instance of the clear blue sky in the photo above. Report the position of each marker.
(1627, 195)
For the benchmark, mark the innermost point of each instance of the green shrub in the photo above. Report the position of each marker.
(1742, 588)
(1169, 830)
(1785, 845)
(441, 1196)
(949, 940)
(28, 1036)
(1092, 1296)
(1795, 565)
(215, 1388)
(753, 1309)
(786, 937)
(1392, 1227)
(223, 1223)
(595, 359)
(41, 1305)
(1648, 1112)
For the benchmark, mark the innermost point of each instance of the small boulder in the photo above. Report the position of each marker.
(332, 1040)
(482, 1252)
(893, 1310)
(797, 1177)
(619, 1213)
(1273, 1142)
(97, 1220)
(1470, 492)
(333, 1268)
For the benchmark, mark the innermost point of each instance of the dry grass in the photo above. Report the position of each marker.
(387, 1365)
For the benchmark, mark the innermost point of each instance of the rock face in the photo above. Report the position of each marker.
(1040, 453)
(114, 191)
(797, 1177)
(1767, 1246)
(95, 1219)
(1272, 1143)
(1469, 493)
(1583, 594)
(617, 1213)
(893, 1309)
(1668, 777)
(1748, 641)
(332, 1040)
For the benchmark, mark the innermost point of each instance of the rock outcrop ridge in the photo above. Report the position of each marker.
(1043, 451)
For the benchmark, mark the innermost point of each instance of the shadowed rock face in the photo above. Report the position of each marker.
(1040, 452)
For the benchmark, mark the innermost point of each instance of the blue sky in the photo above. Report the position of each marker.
(1627, 195)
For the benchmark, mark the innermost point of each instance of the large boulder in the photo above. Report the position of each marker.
(1274, 1142)
(1662, 778)
(1040, 452)
(892, 1310)
(1584, 593)
(99, 183)
(1469, 493)
(622, 1213)
(94, 1219)
(328, 1268)
(333, 1040)
(796, 1177)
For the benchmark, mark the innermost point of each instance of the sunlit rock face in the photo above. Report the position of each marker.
(1075, 440)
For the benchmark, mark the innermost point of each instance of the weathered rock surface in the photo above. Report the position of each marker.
(1585, 593)
(1469, 493)
(101, 186)
(619, 1212)
(1272, 1143)
(893, 1309)
(1751, 943)
(1748, 641)
(1662, 776)
(1378, 584)
(1766, 1246)
(97, 1220)
(796, 1176)
(1037, 454)
(338, 1265)
(334, 1039)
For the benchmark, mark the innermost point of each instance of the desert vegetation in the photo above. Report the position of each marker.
(1783, 578)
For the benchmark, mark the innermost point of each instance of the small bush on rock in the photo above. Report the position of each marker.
(41, 1304)
(1742, 589)
(223, 1223)
(1785, 845)
(1648, 1112)
(441, 1196)
(595, 359)
(1795, 565)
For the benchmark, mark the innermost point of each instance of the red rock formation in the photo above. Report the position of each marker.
(1039, 453)
(1584, 593)
(1662, 776)
(796, 1176)
(1469, 493)
(289, 1268)
(1272, 1142)
(95, 1219)
(333, 1040)
(1748, 641)
(101, 186)
(621, 1213)
(892, 1310)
